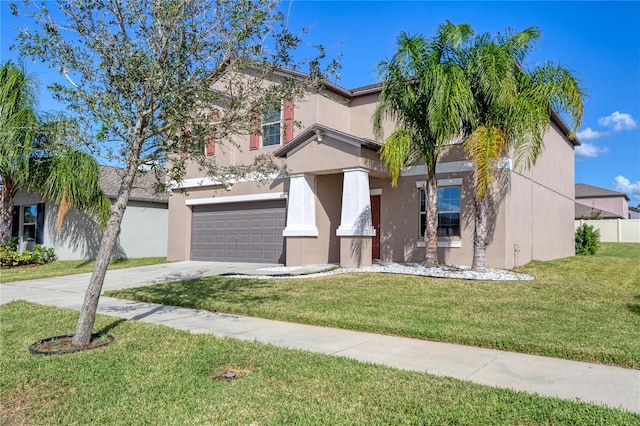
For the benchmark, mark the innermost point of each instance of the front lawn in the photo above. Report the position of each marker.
(581, 308)
(69, 267)
(156, 375)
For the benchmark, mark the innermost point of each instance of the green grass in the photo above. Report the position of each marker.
(623, 250)
(156, 375)
(70, 267)
(581, 308)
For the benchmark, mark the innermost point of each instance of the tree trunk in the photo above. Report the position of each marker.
(480, 237)
(7, 196)
(84, 329)
(431, 229)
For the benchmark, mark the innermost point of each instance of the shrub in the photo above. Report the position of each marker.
(587, 240)
(40, 255)
(10, 257)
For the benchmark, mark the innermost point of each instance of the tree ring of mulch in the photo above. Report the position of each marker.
(62, 344)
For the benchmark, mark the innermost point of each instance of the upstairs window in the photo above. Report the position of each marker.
(271, 127)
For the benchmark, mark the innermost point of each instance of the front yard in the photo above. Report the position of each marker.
(156, 375)
(69, 267)
(581, 308)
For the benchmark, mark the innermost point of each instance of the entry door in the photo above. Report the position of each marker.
(375, 219)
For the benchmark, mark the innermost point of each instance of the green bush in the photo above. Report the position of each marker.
(40, 255)
(587, 240)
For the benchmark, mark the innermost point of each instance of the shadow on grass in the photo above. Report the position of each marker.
(634, 307)
(83, 264)
(205, 293)
(106, 329)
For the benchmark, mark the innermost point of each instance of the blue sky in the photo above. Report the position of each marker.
(599, 41)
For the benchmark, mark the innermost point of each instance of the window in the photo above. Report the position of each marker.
(29, 221)
(271, 127)
(448, 211)
(28, 224)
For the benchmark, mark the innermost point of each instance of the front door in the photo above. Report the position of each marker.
(375, 219)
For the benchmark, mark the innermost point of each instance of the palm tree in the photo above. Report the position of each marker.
(513, 109)
(424, 94)
(34, 156)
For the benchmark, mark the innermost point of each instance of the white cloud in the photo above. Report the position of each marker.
(618, 121)
(588, 134)
(632, 189)
(588, 150)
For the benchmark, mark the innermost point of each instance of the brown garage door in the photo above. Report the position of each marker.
(243, 232)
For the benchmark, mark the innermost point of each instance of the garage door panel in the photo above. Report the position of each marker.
(247, 232)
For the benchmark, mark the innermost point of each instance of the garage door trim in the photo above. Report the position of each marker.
(237, 199)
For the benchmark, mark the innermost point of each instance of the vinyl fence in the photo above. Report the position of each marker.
(615, 231)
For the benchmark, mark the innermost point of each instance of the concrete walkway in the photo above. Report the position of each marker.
(594, 383)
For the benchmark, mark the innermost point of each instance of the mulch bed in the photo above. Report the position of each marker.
(62, 344)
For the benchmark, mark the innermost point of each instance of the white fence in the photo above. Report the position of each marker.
(615, 230)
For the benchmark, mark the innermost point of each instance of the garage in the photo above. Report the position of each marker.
(239, 232)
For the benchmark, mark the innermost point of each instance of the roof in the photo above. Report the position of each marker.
(143, 186)
(586, 212)
(589, 191)
(377, 87)
(317, 129)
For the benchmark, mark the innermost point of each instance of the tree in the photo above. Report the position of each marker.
(512, 112)
(35, 156)
(423, 94)
(153, 81)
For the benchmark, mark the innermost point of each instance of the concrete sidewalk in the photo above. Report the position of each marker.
(594, 383)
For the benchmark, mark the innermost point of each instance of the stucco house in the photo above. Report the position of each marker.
(604, 203)
(336, 203)
(144, 227)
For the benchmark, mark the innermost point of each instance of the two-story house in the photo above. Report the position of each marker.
(336, 203)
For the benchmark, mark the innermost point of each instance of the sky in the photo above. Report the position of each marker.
(598, 41)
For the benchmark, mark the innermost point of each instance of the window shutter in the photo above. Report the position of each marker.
(288, 121)
(15, 226)
(40, 223)
(187, 129)
(211, 142)
(211, 147)
(254, 138)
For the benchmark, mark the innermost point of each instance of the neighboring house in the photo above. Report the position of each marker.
(634, 213)
(595, 202)
(143, 232)
(337, 205)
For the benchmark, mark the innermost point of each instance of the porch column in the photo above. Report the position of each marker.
(355, 228)
(301, 217)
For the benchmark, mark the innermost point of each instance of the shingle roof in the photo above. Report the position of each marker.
(586, 212)
(143, 187)
(589, 191)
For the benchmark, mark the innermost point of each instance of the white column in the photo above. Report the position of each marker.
(301, 211)
(356, 205)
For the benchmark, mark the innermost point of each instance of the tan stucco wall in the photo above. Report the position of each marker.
(325, 248)
(617, 205)
(540, 205)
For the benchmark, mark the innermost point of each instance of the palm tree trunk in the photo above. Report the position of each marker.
(480, 238)
(431, 229)
(6, 211)
(84, 328)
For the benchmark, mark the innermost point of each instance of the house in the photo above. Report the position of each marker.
(143, 232)
(336, 203)
(595, 202)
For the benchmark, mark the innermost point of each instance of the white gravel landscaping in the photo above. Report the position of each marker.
(445, 271)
